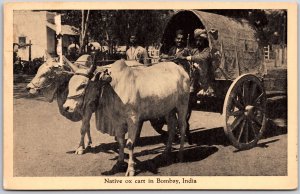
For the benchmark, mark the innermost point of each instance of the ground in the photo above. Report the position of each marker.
(44, 144)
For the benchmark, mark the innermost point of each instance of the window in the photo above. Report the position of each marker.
(22, 40)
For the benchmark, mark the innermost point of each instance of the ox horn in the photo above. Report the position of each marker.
(47, 56)
(91, 70)
(70, 64)
(93, 66)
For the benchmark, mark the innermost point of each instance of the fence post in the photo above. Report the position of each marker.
(267, 52)
(29, 58)
(280, 56)
(285, 56)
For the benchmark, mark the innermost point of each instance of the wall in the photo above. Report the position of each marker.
(51, 38)
(32, 25)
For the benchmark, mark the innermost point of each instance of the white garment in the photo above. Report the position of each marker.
(137, 53)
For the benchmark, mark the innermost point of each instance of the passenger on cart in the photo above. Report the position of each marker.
(177, 51)
(201, 59)
(178, 54)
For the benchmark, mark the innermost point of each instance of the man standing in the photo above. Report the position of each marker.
(201, 60)
(73, 50)
(136, 52)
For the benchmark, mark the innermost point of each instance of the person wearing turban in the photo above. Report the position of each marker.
(201, 59)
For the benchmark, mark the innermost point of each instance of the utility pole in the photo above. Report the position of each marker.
(57, 20)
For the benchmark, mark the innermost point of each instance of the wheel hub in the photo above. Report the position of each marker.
(249, 110)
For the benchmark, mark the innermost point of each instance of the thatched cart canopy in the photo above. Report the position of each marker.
(233, 43)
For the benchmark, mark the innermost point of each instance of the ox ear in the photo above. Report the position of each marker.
(102, 76)
(48, 56)
(96, 76)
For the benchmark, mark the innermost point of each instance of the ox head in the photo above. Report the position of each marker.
(84, 86)
(48, 76)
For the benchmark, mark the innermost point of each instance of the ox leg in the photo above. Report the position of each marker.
(138, 134)
(89, 137)
(121, 141)
(133, 127)
(171, 123)
(85, 127)
(120, 166)
(182, 122)
(192, 102)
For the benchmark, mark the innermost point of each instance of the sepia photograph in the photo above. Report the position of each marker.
(156, 97)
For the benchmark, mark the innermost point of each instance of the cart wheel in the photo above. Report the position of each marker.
(244, 111)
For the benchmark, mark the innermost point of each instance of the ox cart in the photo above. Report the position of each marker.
(238, 71)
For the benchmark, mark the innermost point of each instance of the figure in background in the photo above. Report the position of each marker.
(73, 50)
(136, 52)
(15, 54)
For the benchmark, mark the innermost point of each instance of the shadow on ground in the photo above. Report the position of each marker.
(190, 154)
(204, 143)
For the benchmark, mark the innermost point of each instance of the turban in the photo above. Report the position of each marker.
(200, 33)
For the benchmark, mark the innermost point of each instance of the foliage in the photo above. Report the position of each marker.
(115, 26)
(270, 24)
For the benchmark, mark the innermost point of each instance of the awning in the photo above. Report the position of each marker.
(66, 29)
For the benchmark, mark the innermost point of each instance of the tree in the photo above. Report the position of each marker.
(79, 19)
(276, 29)
(116, 25)
(84, 28)
(270, 24)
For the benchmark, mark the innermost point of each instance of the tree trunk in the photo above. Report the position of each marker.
(84, 26)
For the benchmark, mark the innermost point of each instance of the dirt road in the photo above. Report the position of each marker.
(44, 144)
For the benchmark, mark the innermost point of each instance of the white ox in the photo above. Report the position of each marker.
(53, 79)
(133, 96)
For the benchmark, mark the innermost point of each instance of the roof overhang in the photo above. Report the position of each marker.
(65, 29)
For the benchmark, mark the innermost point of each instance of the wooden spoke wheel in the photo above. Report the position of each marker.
(244, 111)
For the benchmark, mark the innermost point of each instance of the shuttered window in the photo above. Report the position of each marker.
(22, 40)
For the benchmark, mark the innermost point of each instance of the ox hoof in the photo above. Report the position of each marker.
(130, 173)
(79, 151)
(90, 144)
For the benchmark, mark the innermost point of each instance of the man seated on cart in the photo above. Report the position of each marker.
(178, 54)
(177, 51)
(201, 60)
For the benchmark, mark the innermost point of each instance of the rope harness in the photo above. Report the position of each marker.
(50, 77)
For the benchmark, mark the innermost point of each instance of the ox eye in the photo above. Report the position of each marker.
(82, 86)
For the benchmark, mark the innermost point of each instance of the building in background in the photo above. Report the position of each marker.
(35, 32)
